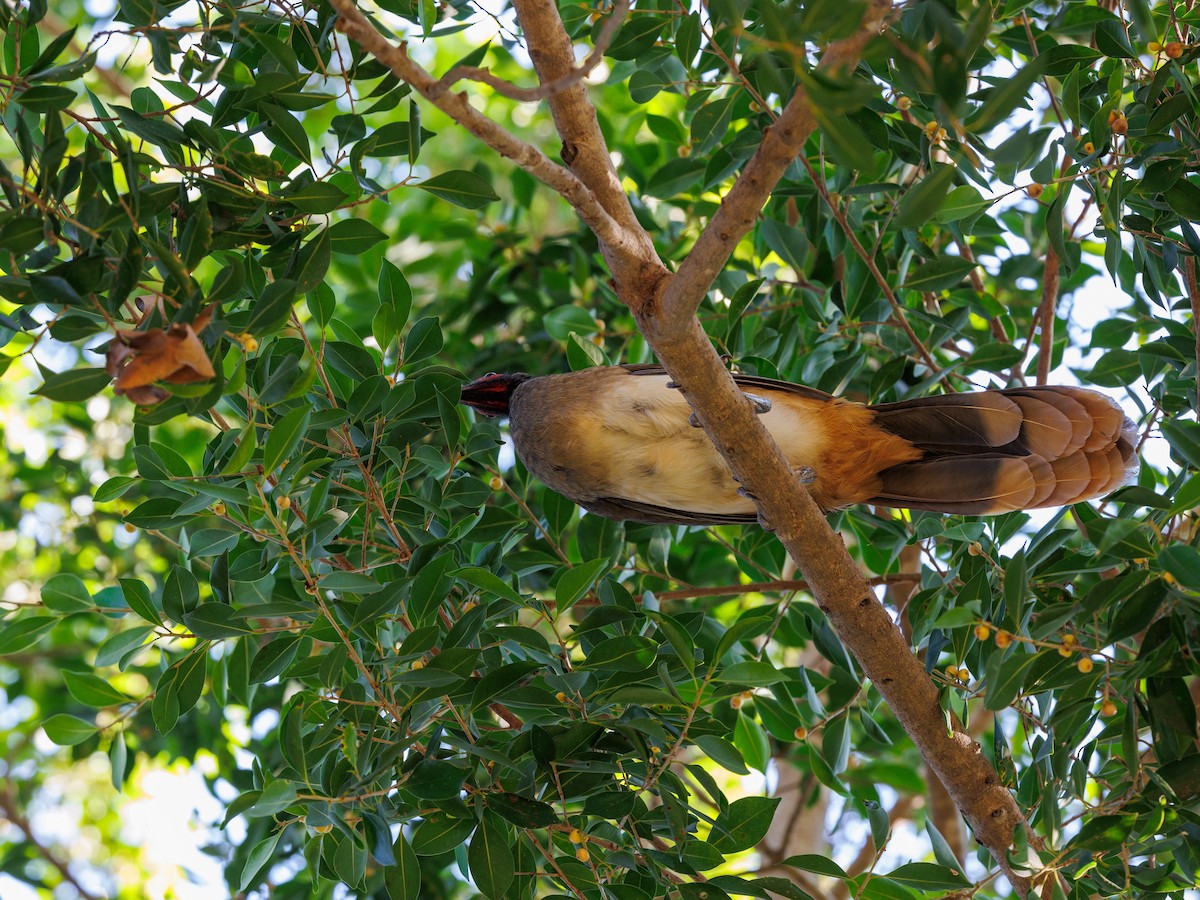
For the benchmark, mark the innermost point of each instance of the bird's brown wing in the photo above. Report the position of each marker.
(745, 382)
(649, 514)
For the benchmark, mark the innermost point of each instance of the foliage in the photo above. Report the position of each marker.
(284, 518)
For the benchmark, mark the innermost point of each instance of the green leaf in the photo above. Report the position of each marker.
(723, 753)
(521, 811)
(272, 309)
(939, 274)
(1184, 438)
(751, 673)
(66, 593)
(67, 731)
(576, 582)
(811, 862)
(924, 876)
(74, 384)
(286, 132)
(440, 833)
(258, 858)
(1183, 562)
(435, 779)
(23, 632)
(354, 237)
(462, 188)
(395, 292)
(491, 860)
(92, 690)
(284, 437)
(627, 653)
(215, 620)
(1005, 677)
(926, 197)
(403, 879)
(1006, 96)
(274, 798)
(423, 340)
(743, 824)
(488, 581)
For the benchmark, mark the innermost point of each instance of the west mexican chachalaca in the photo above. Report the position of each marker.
(622, 443)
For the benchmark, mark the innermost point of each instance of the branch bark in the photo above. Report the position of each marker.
(1046, 316)
(665, 308)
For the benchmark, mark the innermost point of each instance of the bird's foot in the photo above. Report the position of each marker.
(806, 474)
(694, 420)
(761, 404)
(763, 523)
(674, 386)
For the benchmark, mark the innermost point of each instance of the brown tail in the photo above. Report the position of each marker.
(997, 451)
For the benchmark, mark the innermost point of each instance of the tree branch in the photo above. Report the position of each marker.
(665, 309)
(576, 75)
(584, 149)
(740, 207)
(1046, 315)
(584, 201)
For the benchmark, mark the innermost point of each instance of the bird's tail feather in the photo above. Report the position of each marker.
(996, 451)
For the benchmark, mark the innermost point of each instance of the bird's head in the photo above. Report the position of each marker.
(490, 394)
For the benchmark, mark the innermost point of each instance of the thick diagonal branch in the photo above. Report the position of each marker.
(584, 149)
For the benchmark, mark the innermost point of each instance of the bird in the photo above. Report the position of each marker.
(622, 442)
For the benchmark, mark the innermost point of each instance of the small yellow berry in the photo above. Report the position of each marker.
(1174, 50)
(1089, 148)
(283, 501)
(582, 854)
(1085, 665)
(974, 548)
(931, 128)
(218, 508)
(248, 341)
(1064, 650)
(800, 733)
(939, 136)
(1003, 639)
(1069, 639)
(469, 605)
(495, 482)
(598, 340)
(982, 632)
(576, 836)
(1108, 708)
(952, 671)
(560, 697)
(418, 664)
(322, 829)
(1120, 125)
(1169, 578)
(1035, 190)
(747, 695)
(130, 528)
(1154, 46)
(904, 103)
(736, 701)
(654, 751)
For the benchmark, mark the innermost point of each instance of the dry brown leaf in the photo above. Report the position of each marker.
(137, 359)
